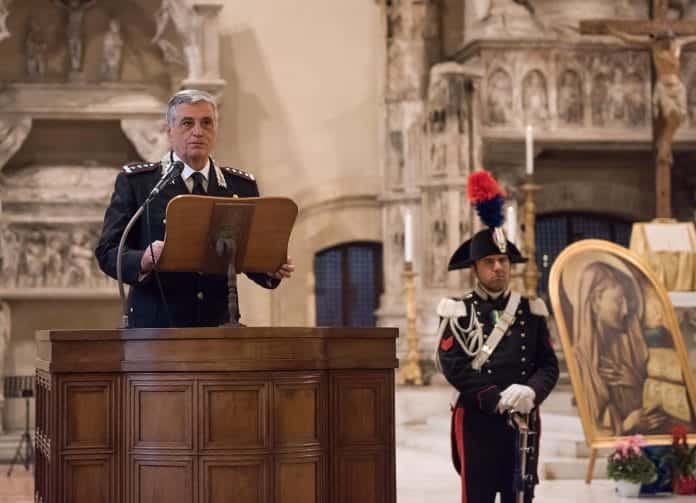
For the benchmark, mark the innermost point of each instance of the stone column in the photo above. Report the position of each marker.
(210, 79)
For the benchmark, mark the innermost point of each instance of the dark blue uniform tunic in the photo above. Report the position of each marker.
(194, 300)
(483, 444)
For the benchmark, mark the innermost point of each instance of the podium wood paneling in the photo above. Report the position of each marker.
(212, 415)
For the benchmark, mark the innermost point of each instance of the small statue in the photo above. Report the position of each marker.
(76, 13)
(35, 48)
(4, 12)
(111, 52)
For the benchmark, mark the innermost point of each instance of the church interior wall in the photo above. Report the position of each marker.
(302, 112)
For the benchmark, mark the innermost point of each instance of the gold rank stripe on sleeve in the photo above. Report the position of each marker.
(134, 168)
(239, 173)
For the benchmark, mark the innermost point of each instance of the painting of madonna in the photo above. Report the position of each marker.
(621, 340)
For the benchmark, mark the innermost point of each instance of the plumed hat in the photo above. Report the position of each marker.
(487, 197)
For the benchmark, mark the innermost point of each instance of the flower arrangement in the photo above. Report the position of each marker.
(629, 463)
(682, 460)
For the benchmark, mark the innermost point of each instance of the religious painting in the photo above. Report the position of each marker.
(626, 357)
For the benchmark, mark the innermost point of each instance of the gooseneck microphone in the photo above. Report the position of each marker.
(170, 175)
(174, 171)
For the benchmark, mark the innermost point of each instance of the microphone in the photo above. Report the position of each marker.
(174, 171)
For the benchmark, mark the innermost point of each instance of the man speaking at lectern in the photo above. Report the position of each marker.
(186, 299)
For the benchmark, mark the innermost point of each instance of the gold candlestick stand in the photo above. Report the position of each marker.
(410, 373)
(531, 271)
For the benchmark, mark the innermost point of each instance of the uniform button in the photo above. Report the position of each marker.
(519, 312)
(478, 312)
(164, 220)
(521, 322)
(523, 335)
(131, 309)
(199, 295)
(490, 371)
(524, 372)
(524, 359)
(524, 347)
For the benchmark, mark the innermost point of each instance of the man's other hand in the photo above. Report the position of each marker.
(284, 271)
(147, 263)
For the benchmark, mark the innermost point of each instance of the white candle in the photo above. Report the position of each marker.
(530, 151)
(511, 223)
(408, 236)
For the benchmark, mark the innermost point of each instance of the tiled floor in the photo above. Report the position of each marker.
(421, 478)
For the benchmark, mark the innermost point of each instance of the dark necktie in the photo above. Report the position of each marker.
(198, 188)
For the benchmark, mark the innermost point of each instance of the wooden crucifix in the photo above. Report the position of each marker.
(665, 39)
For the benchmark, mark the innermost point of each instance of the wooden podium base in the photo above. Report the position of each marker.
(216, 415)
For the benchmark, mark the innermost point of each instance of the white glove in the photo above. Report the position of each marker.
(517, 397)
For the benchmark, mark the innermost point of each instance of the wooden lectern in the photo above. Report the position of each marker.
(216, 415)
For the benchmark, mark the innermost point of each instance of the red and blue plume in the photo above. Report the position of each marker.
(487, 197)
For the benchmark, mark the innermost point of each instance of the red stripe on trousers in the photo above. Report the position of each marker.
(459, 436)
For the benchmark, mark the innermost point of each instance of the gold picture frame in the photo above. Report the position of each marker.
(626, 357)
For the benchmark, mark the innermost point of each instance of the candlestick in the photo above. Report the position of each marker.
(529, 137)
(408, 236)
(410, 372)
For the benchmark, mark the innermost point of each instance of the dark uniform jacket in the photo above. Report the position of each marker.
(482, 441)
(193, 299)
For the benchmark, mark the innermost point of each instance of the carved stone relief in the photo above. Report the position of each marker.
(499, 98)
(509, 18)
(535, 98)
(570, 98)
(566, 89)
(394, 251)
(5, 332)
(437, 253)
(13, 131)
(149, 137)
(4, 32)
(50, 255)
(112, 50)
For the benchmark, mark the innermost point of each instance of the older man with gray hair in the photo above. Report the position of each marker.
(185, 299)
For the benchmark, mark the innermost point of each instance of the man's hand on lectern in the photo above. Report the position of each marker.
(147, 263)
(284, 271)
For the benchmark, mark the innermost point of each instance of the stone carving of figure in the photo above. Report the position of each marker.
(636, 109)
(600, 96)
(396, 156)
(4, 32)
(111, 52)
(55, 262)
(33, 265)
(35, 50)
(508, 16)
(535, 98)
(438, 158)
(499, 98)
(692, 102)
(5, 327)
(188, 25)
(11, 246)
(616, 105)
(440, 251)
(570, 102)
(79, 266)
(76, 12)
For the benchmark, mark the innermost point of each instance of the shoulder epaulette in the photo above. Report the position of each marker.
(134, 168)
(538, 307)
(451, 308)
(239, 173)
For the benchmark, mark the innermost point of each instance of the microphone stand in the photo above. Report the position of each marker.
(168, 177)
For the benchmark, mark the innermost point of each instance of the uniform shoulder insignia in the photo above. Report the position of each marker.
(134, 168)
(239, 173)
(451, 308)
(538, 307)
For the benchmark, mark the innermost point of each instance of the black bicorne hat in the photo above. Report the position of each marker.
(480, 246)
(487, 197)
